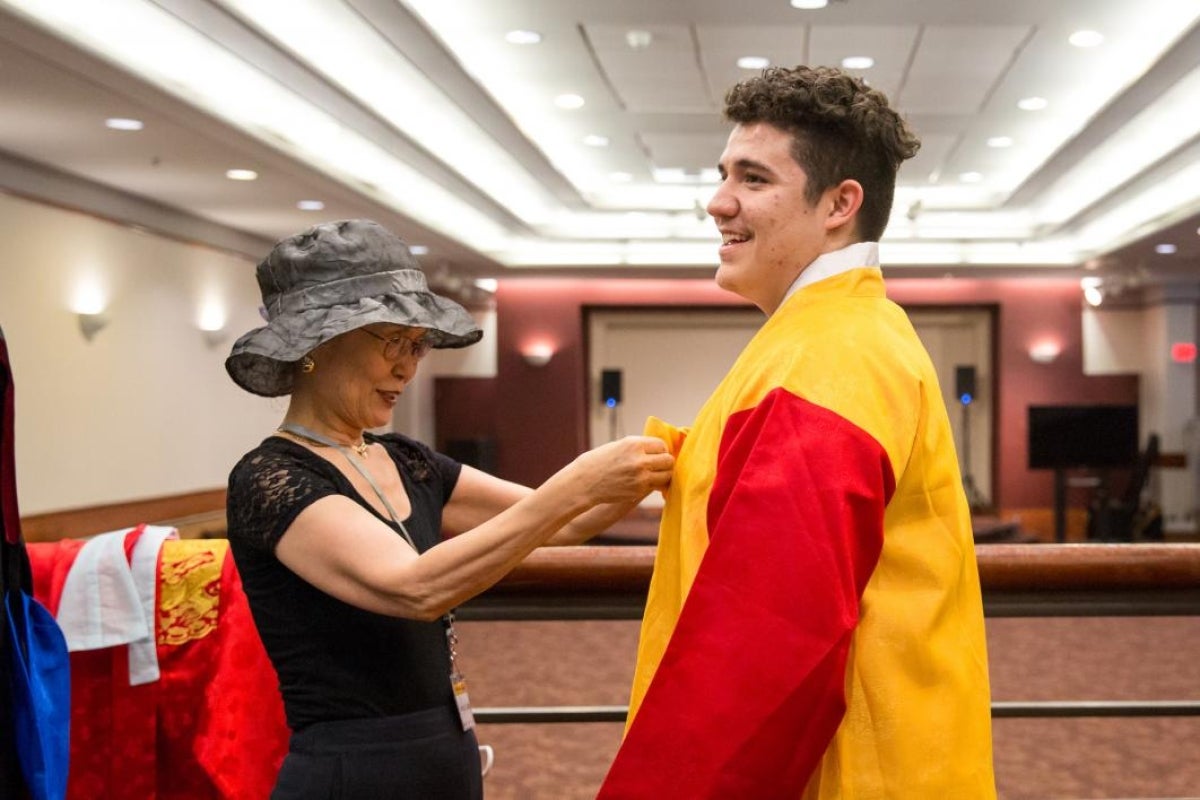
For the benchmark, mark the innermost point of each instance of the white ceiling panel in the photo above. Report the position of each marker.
(688, 151)
(930, 160)
(955, 69)
(431, 120)
(669, 54)
(891, 47)
(722, 46)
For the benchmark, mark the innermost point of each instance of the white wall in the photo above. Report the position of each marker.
(671, 361)
(145, 409)
(1138, 341)
(1168, 402)
(964, 338)
(1114, 341)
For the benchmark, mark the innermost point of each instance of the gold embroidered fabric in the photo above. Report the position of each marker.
(189, 589)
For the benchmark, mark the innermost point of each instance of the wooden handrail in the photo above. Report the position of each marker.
(1025, 567)
(619, 568)
(1042, 567)
(1018, 580)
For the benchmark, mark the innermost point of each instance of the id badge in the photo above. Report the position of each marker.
(462, 701)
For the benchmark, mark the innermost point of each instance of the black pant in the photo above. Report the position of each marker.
(424, 755)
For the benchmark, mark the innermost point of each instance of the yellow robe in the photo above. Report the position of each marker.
(814, 627)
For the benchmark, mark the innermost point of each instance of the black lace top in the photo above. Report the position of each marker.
(336, 661)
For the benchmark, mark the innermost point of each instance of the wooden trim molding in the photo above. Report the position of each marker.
(1171, 461)
(79, 522)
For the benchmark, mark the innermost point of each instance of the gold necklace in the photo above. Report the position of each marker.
(318, 440)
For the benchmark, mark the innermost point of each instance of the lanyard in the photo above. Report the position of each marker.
(317, 438)
(313, 436)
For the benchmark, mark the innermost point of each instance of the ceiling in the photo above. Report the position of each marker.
(421, 114)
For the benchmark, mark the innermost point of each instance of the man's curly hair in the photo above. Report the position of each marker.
(841, 128)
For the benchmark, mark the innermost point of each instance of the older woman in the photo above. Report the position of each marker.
(354, 548)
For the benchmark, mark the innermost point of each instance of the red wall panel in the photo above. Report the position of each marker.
(538, 415)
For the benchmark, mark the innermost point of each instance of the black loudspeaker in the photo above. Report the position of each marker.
(964, 383)
(610, 387)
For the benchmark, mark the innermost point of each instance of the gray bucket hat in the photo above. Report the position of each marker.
(331, 279)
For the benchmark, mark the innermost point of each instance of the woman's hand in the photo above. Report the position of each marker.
(625, 470)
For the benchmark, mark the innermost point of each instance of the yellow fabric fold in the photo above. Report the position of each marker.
(917, 722)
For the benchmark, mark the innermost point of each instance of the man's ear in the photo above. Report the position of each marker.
(846, 199)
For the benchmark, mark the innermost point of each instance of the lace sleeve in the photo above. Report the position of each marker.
(267, 490)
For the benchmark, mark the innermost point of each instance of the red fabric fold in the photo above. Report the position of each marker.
(751, 688)
(113, 725)
(211, 728)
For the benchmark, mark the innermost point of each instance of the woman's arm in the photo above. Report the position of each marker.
(592, 522)
(339, 547)
(479, 496)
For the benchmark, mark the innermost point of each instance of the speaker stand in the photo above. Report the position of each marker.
(975, 498)
(1060, 505)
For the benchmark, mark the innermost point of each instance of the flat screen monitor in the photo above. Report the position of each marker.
(1095, 436)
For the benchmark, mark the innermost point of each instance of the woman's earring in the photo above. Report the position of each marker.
(307, 364)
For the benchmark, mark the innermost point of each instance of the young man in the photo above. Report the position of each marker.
(814, 626)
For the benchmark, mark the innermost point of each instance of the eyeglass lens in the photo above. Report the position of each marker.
(402, 345)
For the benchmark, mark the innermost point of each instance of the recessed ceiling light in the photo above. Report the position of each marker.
(970, 177)
(569, 101)
(858, 62)
(1166, 248)
(1000, 141)
(638, 39)
(1032, 103)
(418, 249)
(595, 140)
(753, 62)
(241, 174)
(522, 37)
(809, 4)
(620, 177)
(124, 124)
(310, 205)
(1086, 38)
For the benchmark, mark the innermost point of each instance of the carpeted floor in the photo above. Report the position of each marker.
(591, 662)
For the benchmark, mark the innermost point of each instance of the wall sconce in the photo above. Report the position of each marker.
(212, 323)
(537, 355)
(214, 337)
(89, 301)
(91, 323)
(1044, 352)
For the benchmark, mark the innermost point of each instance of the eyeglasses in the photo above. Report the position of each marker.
(397, 347)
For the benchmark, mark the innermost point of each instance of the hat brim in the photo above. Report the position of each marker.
(263, 361)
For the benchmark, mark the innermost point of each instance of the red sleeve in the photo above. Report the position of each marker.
(751, 688)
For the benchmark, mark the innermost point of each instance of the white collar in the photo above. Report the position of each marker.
(826, 265)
